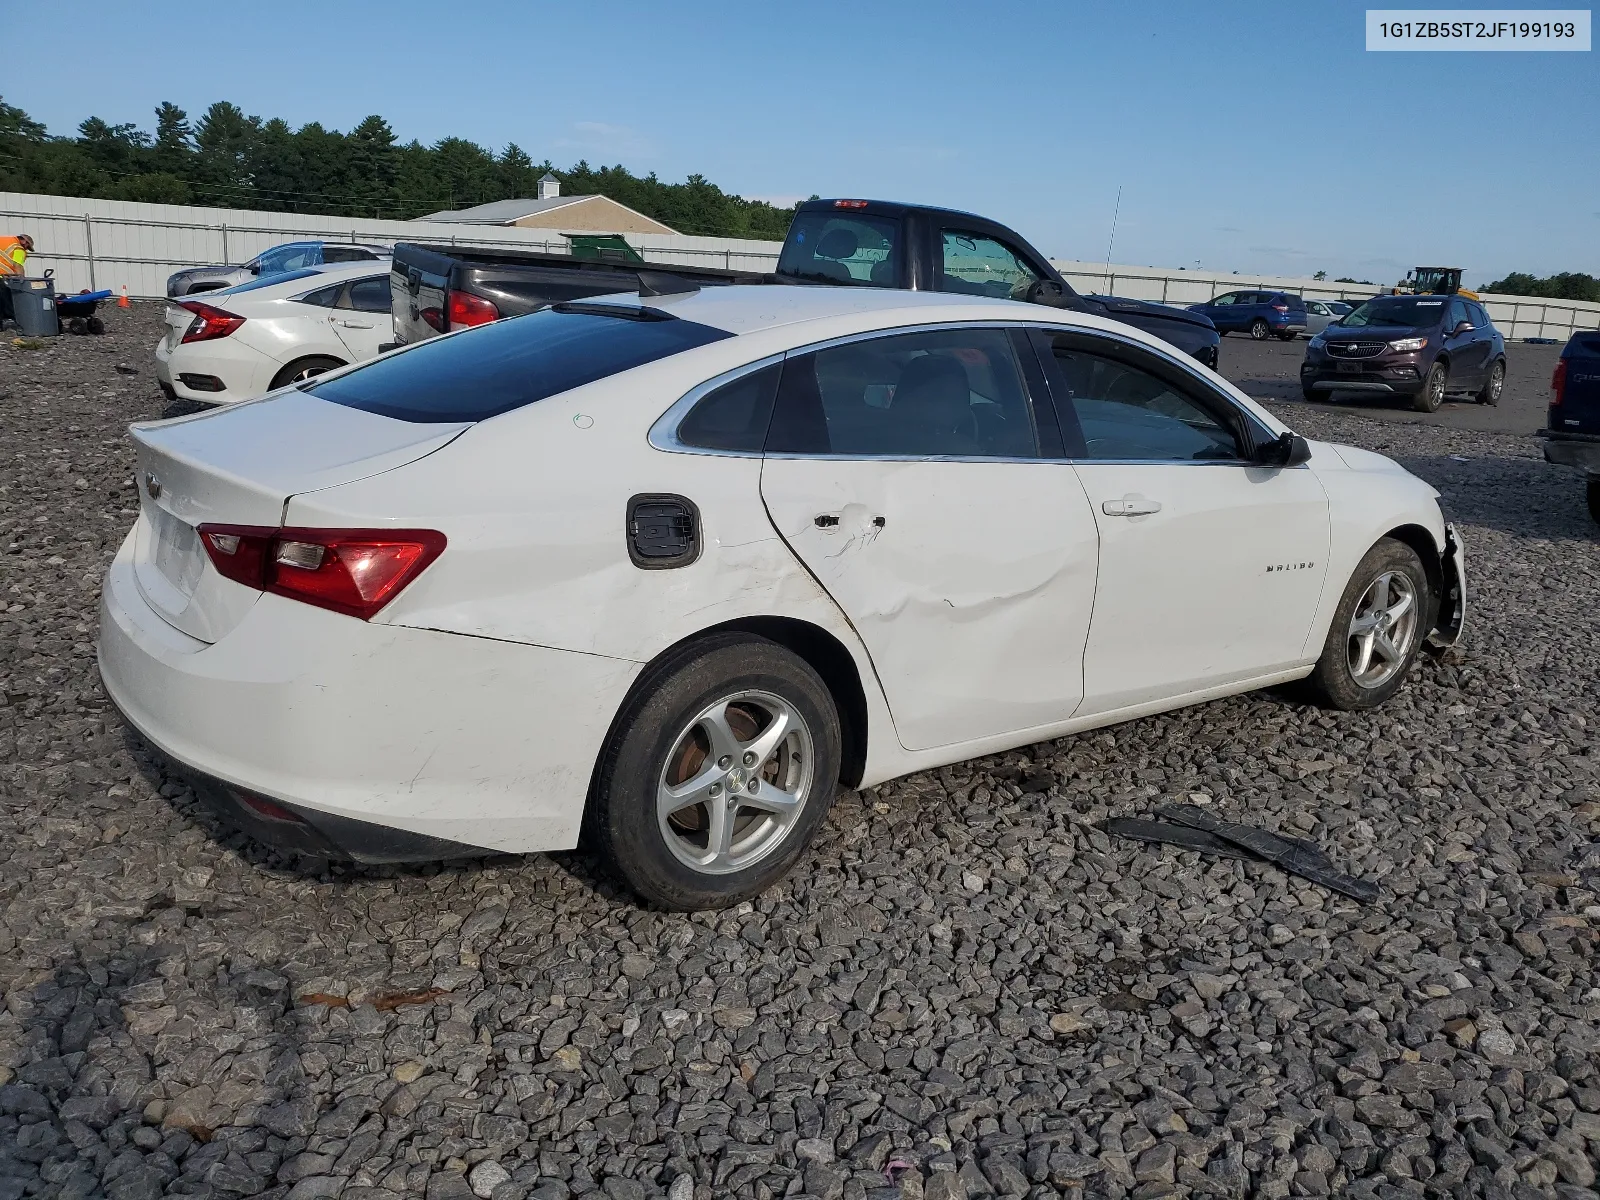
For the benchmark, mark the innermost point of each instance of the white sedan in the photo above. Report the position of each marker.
(667, 571)
(238, 343)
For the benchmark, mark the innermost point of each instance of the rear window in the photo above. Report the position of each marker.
(495, 368)
(855, 249)
(1298, 303)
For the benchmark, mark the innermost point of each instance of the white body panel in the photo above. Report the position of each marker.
(993, 601)
(1192, 596)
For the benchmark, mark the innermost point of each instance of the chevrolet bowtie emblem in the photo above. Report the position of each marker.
(152, 487)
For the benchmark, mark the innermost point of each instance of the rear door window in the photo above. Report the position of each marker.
(492, 369)
(940, 393)
(369, 295)
(838, 248)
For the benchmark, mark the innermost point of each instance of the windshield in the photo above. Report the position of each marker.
(855, 249)
(1412, 312)
(287, 258)
(495, 368)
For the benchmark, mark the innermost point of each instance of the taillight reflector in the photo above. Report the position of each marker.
(209, 322)
(465, 309)
(1558, 381)
(350, 571)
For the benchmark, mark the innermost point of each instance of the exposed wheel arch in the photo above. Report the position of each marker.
(290, 370)
(1420, 540)
(821, 650)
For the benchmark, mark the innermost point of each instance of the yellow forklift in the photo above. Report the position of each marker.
(1433, 281)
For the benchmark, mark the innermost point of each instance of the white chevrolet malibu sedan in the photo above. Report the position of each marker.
(663, 572)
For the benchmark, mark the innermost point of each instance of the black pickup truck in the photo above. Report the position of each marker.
(850, 243)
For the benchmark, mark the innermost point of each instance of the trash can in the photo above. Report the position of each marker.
(33, 306)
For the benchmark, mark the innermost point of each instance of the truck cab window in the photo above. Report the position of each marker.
(982, 266)
(855, 250)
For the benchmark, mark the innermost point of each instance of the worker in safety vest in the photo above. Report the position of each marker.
(14, 253)
(13, 256)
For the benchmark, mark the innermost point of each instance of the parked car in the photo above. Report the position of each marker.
(1261, 314)
(1572, 431)
(1322, 313)
(840, 243)
(1423, 347)
(243, 341)
(292, 256)
(670, 569)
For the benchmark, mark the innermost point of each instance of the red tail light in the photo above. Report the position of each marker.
(351, 571)
(464, 310)
(434, 318)
(208, 322)
(1558, 381)
(849, 203)
(1280, 308)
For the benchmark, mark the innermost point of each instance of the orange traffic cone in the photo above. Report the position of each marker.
(122, 301)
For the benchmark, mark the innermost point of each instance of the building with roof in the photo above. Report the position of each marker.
(551, 210)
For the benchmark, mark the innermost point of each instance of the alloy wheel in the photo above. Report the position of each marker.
(1259, 330)
(305, 373)
(1382, 629)
(735, 783)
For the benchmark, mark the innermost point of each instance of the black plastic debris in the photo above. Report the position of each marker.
(1193, 828)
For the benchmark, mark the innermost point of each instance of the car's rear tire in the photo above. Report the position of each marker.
(1495, 384)
(302, 369)
(1594, 499)
(1383, 618)
(1433, 389)
(1259, 330)
(725, 693)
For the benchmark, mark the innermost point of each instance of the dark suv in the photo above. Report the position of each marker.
(1572, 435)
(1416, 346)
(1258, 313)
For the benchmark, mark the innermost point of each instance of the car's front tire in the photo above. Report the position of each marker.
(717, 774)
(1259, 330)
(1594, 499)
(1383, 618)
(1495, 384)
(1433, 389)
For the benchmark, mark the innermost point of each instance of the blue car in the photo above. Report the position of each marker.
(1572, 434)
(1259, 313)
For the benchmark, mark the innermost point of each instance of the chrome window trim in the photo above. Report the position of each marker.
(663, 433)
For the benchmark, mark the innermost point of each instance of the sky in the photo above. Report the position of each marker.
(1250, 137)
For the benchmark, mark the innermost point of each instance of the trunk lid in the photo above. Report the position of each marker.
(240, 466)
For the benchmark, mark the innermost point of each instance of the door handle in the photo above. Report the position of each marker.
(354, 325)
(1130, 508)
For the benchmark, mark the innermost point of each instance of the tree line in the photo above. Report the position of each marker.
(1568, 285)
(230, 160)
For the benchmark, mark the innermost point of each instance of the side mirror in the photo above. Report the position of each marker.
(1286, 450)
(1462, 327)
(1045, 291)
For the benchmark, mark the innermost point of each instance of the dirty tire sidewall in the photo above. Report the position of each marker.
(1494, 384)
(621, 820)
(1259, 330)
(1332, 682)
(1432, 393)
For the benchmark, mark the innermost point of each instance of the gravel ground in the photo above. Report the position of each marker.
(965, 989)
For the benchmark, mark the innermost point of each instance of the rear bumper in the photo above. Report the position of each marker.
(245, 373)
(387, 743)
(1572, 450)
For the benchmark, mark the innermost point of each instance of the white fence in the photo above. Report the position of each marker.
(113, 243)
(1515, 316)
